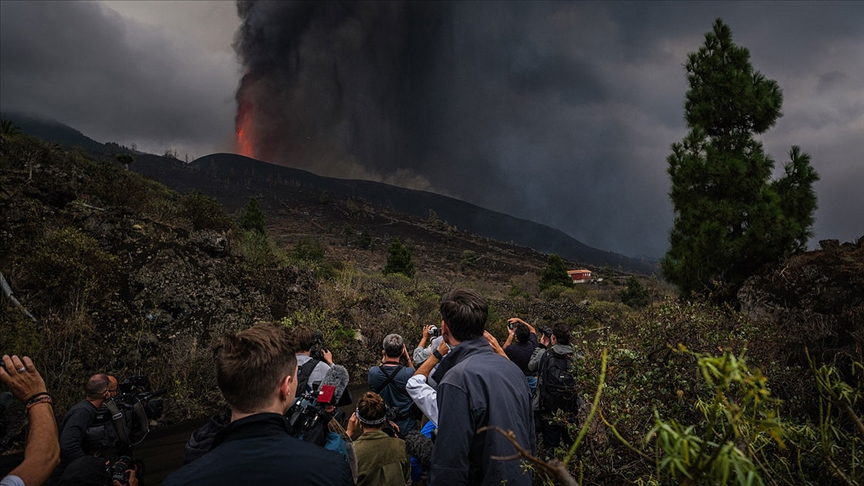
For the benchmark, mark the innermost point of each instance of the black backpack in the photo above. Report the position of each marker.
(557, 386)
(303, 373)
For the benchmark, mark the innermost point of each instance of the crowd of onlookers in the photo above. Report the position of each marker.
(285, 421)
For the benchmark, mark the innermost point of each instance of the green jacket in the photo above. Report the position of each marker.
(381, 460)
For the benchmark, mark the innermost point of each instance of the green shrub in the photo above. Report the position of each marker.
(204, 212)
(257, 249)
(308, 250)
(252, 218)
(69, 265)
(554, 273)
(399, 259)
(635, 295)
(469, 259)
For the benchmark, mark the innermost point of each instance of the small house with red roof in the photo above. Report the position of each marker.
(580, 276)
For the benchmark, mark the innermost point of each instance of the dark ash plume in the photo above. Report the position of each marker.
(344, 89)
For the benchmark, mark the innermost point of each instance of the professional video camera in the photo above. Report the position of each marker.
(124, 420)
(308, 417)
(136, 389)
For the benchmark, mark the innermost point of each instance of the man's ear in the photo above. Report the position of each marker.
(287, 387)
(445, 332)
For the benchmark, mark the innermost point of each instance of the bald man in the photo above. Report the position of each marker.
(73, 437)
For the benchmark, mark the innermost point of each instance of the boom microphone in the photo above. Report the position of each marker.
(337, 377)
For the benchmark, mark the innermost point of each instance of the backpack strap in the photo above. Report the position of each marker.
(305, 372)
(390, 377)
(119, 422)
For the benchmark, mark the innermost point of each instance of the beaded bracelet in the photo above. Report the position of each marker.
(40, 394)
(36, 401)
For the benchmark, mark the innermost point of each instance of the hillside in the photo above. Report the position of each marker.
(124, 275)
(233, 178)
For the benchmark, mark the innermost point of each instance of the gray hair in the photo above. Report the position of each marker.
(393, 345)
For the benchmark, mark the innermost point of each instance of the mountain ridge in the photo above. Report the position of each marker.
(265, 176)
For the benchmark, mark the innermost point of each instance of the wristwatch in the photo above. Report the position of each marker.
(437, 354)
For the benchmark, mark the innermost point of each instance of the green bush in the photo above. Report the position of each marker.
(469, 259)
(69, 265)
(252, 218)
(635, 295)
(399, 259)
(308, 250)
(256, 249)
(204, 212)
(554, 273)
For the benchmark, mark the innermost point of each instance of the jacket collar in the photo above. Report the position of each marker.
(460, 352)
(257, 425)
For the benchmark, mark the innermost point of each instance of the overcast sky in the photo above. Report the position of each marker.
(562, 113)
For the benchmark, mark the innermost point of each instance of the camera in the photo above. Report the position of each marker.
(511, 325)
(317, 351)
(546, 331)
(117, 469)
(307, 417)
(434, 331)
(136, 389)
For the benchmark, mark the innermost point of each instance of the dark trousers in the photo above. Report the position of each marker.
(554, 434)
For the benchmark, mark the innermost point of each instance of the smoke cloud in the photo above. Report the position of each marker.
(559, 112)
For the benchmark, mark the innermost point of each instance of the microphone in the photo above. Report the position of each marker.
(334, 385)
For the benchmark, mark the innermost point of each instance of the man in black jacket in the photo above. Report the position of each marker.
(476, 388)
(73, 430)
(256, 371)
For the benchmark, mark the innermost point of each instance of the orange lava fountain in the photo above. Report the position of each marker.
(243, 122)
(244, 144)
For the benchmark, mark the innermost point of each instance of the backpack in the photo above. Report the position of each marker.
(556, 386)
(303, 374)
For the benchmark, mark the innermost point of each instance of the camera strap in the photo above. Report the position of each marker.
(118, 418)
(390, 377)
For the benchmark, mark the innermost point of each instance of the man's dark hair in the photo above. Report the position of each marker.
(522, 333)
(96, 386)
(252, 363)
(561, 331)
(305, 338)
(393, 345)
(465, 312)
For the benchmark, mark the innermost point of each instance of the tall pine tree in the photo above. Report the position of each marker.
(730, 218)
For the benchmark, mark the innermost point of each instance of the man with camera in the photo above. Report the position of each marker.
(520, 352)
(256, 371)
(556, 385)
(424, 348)
(476, 388)
(312, 359)
(73, 430)
(389, 380)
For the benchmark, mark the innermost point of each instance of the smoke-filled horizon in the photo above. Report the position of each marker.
(558, 112)
(477, 100)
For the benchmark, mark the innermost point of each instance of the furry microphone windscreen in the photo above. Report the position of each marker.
(337, 376)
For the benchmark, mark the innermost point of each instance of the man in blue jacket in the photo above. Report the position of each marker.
(476, 388)
(256, 371)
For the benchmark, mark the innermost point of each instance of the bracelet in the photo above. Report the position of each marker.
(40, 394)
(437, 354)
(36, 401)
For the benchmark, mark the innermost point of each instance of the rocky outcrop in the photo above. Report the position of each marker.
(815, 298)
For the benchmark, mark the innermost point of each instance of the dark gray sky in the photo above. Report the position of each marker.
(562, 113)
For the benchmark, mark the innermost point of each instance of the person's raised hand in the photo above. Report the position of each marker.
(133, 479)
(22, 378)
(328, 356)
